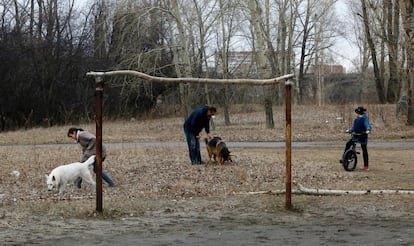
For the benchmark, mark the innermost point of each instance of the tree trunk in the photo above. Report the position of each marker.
(407, 13)
(225, 41)
(255, 12)
(203, 29)
(184, 89)
(392, 34)
(303, 54)
(379, 81)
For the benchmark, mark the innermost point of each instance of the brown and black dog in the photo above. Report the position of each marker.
(216, 147)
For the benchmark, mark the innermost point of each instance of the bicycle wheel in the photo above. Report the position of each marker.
(350, 160)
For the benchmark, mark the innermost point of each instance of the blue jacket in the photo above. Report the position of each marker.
(198, 120)
(361, 125)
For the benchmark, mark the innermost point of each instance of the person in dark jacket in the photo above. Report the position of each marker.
(361, 128)
(198, 120)
(88, 143)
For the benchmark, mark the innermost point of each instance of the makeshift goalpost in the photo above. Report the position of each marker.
(99, 83)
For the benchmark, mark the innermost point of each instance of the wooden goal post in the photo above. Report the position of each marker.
(99, 82)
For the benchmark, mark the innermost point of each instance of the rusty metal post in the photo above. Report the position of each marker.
(99, 101)
(288, 141)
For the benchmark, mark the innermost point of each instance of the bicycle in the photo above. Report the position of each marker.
(349, 158)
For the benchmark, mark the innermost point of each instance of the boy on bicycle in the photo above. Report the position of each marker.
(361, 128)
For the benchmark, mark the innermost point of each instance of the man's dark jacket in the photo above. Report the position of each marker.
(198, 120)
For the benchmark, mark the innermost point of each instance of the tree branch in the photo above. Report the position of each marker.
(193, 80)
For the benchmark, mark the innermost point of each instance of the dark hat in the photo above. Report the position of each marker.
(360, 110)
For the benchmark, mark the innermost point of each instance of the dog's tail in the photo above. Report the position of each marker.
(90, 160)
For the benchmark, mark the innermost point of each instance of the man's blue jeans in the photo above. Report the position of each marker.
(193, 147)
(104, 177)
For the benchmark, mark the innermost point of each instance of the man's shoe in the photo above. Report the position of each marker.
(366, 168)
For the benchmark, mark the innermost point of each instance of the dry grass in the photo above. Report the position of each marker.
(309, 123)
(153, 178)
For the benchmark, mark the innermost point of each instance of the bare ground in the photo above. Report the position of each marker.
(160, 199)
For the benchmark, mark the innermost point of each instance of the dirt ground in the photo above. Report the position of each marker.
(172, 203)
(160, 199)
(230, 220)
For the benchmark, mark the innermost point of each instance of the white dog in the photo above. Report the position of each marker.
(70, 173)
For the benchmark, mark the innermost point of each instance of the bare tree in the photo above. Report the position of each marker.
(183, 56)
(317, 33)
(43, 35)
(392, 39)
(379, 80)
(380, 45)
(227, 29)
(407, 13)
(307, 26)
(259, 50)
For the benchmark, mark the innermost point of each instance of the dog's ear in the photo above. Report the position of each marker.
(46, 176)
(53, 178)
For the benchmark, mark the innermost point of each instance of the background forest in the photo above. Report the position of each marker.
(48, 46)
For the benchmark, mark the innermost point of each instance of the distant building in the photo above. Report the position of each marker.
(243, 64)
(327, 69)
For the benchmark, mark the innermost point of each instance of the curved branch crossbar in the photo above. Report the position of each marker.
(193, 80)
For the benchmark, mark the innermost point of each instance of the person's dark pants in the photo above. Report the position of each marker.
(365, 154)
(364, 151)
(193, 147)
(104, 177)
